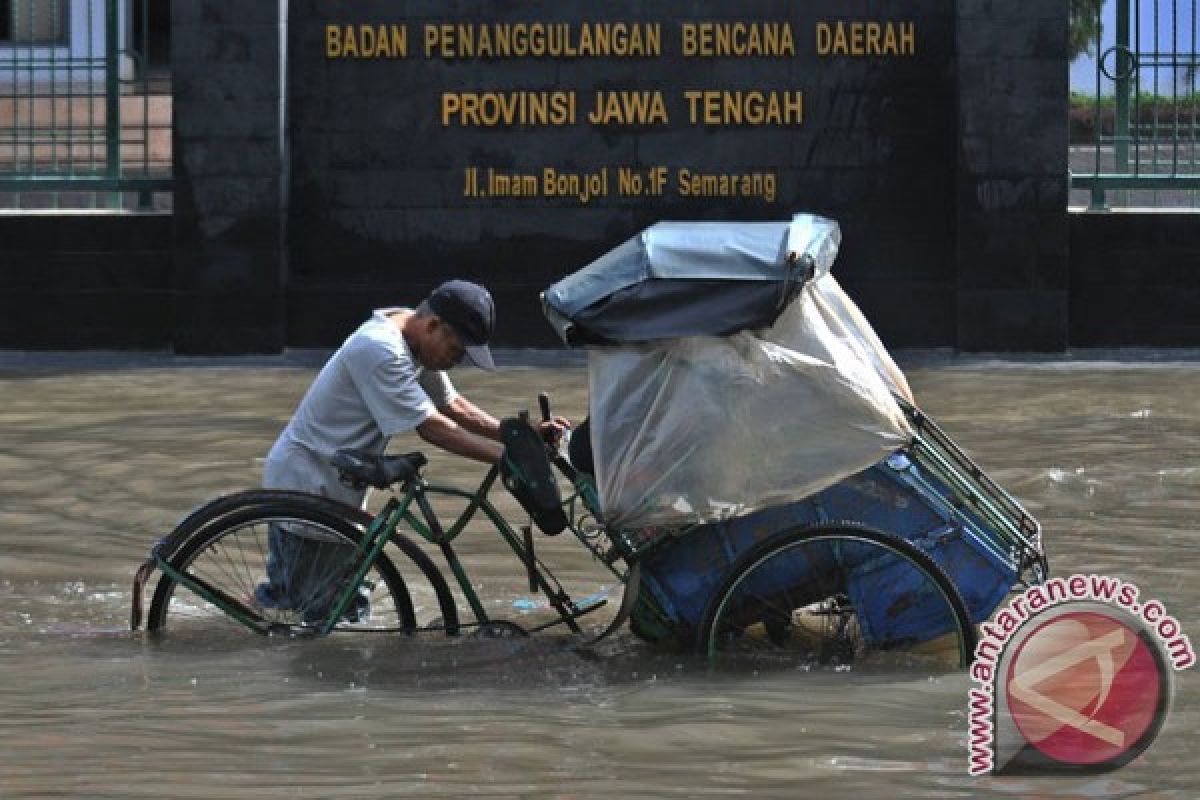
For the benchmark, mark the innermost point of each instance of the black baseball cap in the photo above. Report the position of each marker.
(468, 309)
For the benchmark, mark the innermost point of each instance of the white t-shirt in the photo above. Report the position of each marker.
(370, 389)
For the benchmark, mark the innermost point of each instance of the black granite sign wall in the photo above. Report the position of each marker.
(227, 268)
(395, 156)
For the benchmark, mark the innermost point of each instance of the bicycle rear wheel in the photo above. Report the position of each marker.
(280, 568)
(835, 595)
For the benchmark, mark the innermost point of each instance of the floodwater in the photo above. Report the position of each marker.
(100, 458)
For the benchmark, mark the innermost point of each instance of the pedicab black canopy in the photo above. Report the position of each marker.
(728, 370)
(692, 278)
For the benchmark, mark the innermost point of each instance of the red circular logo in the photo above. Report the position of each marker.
(1085, 688)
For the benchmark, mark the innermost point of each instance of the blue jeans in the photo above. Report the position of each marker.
(303, 573)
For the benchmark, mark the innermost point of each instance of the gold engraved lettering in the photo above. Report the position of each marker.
(727, 184)
(508, 109)
(718, 108)
(866, 38)
(497, 40)
(581, 186)
(630, 182)
(628, 108)
(741, 39)
(511, 184)
(637, 183)
(366, 41)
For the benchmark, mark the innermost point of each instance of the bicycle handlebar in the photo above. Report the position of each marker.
(552, 452)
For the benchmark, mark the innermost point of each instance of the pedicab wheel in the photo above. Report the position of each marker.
(311, 551)
(835, 595)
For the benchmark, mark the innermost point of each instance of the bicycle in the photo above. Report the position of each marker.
(220, 554)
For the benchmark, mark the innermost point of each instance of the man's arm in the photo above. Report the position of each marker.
(478, 421)
(442, 431)
(472, 417)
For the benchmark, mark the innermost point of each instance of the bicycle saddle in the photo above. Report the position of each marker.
(359, 469)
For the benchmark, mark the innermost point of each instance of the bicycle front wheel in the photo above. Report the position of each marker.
(835, 595)
(277, 568)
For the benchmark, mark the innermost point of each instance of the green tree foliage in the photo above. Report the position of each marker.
(1085, 26)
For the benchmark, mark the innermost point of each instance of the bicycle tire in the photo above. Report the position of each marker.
(789, 598)
(203, 518)
(230, 557)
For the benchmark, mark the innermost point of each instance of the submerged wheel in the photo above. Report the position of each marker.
(280, 565)
(834, 595)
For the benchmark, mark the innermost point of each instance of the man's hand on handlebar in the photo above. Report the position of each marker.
(552, 426)
(551, 430)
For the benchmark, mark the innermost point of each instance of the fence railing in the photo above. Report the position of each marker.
(1135, 141)
(85, 106)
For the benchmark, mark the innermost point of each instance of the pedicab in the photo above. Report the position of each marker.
(759, 456)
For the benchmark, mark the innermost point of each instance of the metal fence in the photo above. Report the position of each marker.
(1135, 138)
(85, 105)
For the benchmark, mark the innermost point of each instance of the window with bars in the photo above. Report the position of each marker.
(33, 21)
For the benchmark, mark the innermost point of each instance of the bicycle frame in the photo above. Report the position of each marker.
(429, 527)
(410, 506)
(413, 508)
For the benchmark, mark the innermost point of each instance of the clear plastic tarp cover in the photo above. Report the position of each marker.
(701, 428)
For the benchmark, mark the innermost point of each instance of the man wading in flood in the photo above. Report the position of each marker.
(387, 378)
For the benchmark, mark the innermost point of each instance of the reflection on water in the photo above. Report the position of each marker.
(95, 464)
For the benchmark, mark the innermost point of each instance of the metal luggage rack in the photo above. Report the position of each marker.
(1017, 533)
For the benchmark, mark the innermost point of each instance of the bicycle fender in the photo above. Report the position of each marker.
(139, 584)
(633, 582)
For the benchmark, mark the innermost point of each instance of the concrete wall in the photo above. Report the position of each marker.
(228, 261)
(1011, 193)
(85, 281)
(1135, 280)
(947, 171)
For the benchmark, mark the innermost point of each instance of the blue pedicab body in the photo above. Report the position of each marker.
(929, 494)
